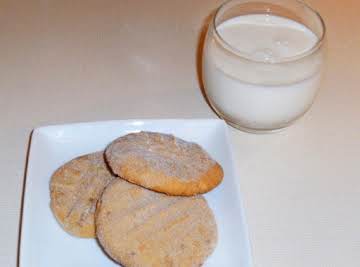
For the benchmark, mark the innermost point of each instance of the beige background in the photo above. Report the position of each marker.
(70, 61)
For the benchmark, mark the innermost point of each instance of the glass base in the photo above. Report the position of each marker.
(254, 131)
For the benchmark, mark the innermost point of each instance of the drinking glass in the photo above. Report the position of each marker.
(259, 92)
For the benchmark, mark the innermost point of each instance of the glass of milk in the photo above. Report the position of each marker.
(262, 62)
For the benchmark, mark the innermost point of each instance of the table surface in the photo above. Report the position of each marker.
(70, 61)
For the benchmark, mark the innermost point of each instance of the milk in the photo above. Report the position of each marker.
(252, 75)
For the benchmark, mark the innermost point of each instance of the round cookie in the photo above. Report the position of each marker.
(163, 163)
(138, 227)
(75, 189)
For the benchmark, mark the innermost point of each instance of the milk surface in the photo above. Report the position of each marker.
(253, 80)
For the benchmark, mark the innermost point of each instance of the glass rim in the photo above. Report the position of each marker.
(243, 55)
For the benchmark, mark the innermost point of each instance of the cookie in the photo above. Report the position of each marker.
(75, 189)
(163, 163)
(138, 227)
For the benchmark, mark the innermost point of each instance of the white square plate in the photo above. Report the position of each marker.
(45, 244)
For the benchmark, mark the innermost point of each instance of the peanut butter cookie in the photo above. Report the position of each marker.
(163, 163)
(75, 189)
(138, 227)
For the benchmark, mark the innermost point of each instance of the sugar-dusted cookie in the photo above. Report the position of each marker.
(75, 189)
(138, 227)
(163, 163)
